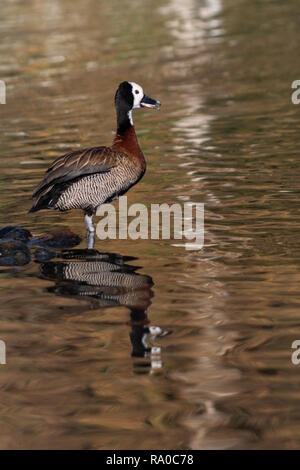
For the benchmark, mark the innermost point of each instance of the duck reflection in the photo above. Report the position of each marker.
(108, 280)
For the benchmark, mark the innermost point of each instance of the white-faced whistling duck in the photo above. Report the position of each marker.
(87, 178)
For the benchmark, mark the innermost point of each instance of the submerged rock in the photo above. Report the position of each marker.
(11, 232)
(42, 254)
(58, 239)
(14, 253)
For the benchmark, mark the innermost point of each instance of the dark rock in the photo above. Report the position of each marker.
(12, 232)
(13, 253)
(58, 239)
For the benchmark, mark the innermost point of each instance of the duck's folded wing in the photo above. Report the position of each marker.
(73, 165)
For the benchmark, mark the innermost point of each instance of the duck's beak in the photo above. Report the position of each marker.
(150, 103)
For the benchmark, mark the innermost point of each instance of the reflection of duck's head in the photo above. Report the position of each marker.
(101, 276)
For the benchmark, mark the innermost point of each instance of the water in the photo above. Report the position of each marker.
(227, 135)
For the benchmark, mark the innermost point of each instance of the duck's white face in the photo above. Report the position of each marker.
(138, 93)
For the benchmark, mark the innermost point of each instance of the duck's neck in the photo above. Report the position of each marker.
(124, 120)
(126, 139)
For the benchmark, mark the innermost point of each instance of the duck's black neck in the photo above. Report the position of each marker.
(124, 120)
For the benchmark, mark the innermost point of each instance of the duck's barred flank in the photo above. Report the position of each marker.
(93, 190)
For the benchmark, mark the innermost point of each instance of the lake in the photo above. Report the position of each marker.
(144, 344)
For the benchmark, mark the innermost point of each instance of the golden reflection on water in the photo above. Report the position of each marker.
(81, 369)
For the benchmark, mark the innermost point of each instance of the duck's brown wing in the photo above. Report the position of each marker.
(73, 165)
(67, 169)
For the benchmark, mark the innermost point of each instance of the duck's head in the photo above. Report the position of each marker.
(131, 96)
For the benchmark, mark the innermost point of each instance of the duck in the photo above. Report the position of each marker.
(84, 179)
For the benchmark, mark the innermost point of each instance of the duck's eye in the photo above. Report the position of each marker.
(136, 92)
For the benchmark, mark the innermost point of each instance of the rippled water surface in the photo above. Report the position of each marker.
(80, 371)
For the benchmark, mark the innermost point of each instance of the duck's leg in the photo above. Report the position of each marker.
(90, 240)
(90, 231)
(89, 223)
